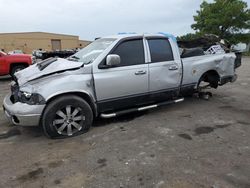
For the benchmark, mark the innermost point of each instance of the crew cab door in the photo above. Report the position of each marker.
(165, 72)
(126, 84)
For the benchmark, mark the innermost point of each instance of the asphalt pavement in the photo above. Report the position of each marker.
(196, 143)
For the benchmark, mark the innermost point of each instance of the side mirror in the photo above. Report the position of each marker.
(113, 60)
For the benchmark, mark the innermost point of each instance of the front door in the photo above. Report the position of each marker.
(165, 72)
(126, 85)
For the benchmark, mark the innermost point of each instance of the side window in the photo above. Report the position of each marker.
(131, 52)
(160, 50)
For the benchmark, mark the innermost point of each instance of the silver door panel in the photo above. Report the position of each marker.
(121, 81)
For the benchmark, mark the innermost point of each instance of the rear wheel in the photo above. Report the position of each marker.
(67, 116)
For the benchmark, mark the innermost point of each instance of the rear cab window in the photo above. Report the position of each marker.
(160, 50)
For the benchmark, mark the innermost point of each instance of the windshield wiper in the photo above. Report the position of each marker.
(88, 62)
(73, 58)
(43, 64)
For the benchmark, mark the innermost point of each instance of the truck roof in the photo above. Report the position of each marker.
(121, 36)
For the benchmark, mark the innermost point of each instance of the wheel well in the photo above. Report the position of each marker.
(12, 65)
(84, 96)
(211, 77)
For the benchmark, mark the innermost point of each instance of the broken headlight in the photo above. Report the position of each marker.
(27, 94)
(31, 98)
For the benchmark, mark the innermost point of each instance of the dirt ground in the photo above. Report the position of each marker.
(195, 143)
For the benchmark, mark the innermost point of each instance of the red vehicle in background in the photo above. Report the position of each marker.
(10, 64)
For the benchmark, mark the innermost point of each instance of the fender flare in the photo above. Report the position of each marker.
(83, 94)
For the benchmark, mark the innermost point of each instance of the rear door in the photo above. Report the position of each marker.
(126, 85)
(164, 71)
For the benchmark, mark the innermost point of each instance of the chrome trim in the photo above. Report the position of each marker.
(179, 100)
(139, 109)
(148, 107)
(108, 115)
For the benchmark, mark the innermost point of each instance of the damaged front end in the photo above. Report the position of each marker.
(27, 97)
(46, 68)
(22, 91)
(29, 89)
(23, 108)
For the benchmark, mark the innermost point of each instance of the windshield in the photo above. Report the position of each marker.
(92, 51)
(2, 53)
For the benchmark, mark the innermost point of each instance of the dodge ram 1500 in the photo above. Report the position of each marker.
(112, 76)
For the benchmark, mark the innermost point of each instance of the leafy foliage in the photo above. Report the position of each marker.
(224, 18)
(189, 36)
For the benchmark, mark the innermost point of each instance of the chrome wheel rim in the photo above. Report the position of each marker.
(69, 120)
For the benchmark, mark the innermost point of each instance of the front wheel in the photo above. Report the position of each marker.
(16, 69)
(67, 116)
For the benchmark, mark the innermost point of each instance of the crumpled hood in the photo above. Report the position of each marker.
(35, 71)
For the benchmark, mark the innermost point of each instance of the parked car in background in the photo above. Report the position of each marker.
(112, 76)
(15, 52)
(40, 54)
(10, 64)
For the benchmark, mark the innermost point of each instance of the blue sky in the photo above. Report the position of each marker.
(94, 18)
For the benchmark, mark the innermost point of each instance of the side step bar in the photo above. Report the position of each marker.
(141, 108)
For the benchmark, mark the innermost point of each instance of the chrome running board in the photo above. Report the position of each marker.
(141, 108)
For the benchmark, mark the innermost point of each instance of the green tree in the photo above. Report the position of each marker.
(224, 18)
(189, 36)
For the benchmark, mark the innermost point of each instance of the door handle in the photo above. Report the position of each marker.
(173, 67)
(141, 72)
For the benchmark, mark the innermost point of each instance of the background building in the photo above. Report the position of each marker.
(29, 41)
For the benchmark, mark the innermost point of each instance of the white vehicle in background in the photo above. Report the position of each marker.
(15, 52)
(38, 53)
(240, 47)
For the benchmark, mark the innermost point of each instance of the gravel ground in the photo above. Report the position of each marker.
(195, 143)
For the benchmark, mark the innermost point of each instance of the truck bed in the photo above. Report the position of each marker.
(194, 67)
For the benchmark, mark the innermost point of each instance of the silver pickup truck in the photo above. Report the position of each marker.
(112, 76)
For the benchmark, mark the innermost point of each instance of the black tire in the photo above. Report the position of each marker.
(52, 122)
(16, 68)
